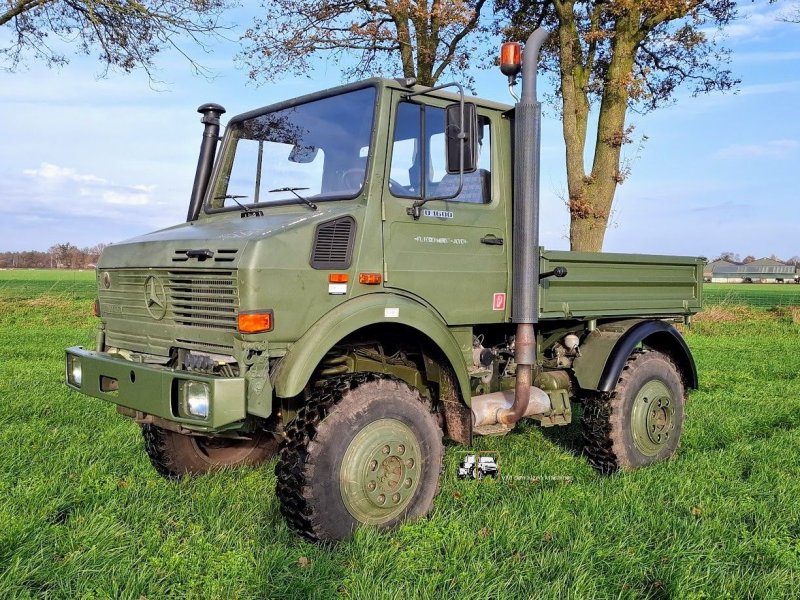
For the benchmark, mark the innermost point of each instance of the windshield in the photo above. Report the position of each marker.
(317, 150)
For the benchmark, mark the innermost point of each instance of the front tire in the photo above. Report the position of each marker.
(364, 450)
(640, 421)
(174, 454)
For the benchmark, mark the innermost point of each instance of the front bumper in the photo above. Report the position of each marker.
(155, 390)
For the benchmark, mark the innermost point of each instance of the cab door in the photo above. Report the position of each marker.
(456, 255)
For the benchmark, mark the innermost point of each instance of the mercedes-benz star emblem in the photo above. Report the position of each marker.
(155, 298)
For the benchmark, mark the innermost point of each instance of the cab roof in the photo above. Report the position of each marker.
(377, 82)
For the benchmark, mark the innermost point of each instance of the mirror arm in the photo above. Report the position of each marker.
(258, 171)
(414, 209)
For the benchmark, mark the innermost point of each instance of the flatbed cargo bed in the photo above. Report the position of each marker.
(605, 284)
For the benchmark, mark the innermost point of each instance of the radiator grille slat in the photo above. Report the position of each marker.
(206, 299)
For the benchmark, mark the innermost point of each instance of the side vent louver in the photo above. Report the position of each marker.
(333, 244)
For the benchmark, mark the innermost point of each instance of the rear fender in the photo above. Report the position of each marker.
(605, 351)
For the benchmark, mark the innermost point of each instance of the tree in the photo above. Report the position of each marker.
(793, 15)
(126, 35)
(748, 259)
(728, 256)
(62, 253)
(608, 57)
(418, 38)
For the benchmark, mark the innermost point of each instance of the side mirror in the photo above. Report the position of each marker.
(456, 144)
(303, 154)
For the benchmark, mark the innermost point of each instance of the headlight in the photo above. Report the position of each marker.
(195, 399)
(74, 372)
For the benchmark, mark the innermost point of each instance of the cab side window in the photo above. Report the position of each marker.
(419, 155)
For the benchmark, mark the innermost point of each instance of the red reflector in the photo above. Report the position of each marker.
(338, 278)
(370, 278)
(511, 58)
(254, 322)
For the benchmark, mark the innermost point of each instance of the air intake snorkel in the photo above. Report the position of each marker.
(208, 148)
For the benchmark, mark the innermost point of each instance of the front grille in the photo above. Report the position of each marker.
(199, 304)
(203, 298)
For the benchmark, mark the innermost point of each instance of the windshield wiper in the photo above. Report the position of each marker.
(246, 212)
(294, 190)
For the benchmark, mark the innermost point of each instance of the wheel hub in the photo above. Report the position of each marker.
(380, 471)
(653, 417)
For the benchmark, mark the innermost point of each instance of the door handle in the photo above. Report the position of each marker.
(492, 240)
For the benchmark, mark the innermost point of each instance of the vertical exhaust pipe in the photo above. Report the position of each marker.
(208, 148)
(525, 283)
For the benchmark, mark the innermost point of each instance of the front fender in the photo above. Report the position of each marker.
(605, 351)
(295, 369)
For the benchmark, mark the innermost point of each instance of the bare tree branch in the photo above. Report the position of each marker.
(417, 38)
(126, 34)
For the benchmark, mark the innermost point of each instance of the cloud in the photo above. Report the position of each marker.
(779, 87)
(49, 171)
(135, 196)
(67, 192)
(755, 22)
(60, 181)
(767, 57)
(770, 149)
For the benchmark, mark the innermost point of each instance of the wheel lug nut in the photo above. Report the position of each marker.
(373, 465)
(410, 463)
(385, 449)
(396, 498)
(401, 449)
(381, 499)
(371, 486)
(407, 482)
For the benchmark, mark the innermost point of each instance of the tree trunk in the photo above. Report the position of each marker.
(590, 204)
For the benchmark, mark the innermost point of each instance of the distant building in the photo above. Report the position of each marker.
(708, 271)
(763, 270)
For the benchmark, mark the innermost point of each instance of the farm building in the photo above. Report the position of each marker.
(763, 270)
(708, 271)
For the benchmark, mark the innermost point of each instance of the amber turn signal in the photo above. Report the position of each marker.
(96, 307)
(511, 58)
(338, 278)
(370, 278)
(255, 322)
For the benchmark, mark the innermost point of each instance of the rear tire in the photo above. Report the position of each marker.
(640, 421)
(364, 450)
(174, 454)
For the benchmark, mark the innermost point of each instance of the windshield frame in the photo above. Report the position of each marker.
(228, 139)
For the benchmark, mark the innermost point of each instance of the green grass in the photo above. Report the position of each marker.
(764, 295)
(83, 515)
(32, 283)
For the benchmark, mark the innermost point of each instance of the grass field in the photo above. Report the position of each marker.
(83, 515)
(753, 294)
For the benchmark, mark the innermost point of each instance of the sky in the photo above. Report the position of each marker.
(86, 159)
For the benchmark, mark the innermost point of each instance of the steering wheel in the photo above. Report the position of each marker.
(398, 189)
(353, 179)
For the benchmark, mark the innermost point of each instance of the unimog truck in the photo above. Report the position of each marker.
(359, 277)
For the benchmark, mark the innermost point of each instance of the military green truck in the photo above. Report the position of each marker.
(359, 277)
